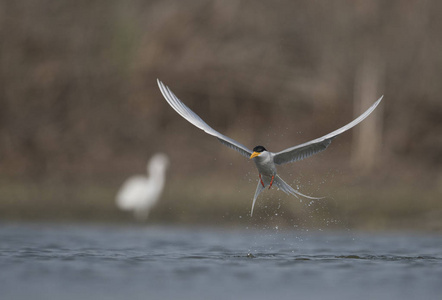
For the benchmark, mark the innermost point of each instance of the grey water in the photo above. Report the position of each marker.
(53, 261)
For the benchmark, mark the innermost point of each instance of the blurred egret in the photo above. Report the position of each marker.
(265, 161)
(140, 193)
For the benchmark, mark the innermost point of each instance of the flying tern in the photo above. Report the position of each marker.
(265, 160)
(140, 193)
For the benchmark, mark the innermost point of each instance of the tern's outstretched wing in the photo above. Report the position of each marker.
(193, 118)
(307, 149)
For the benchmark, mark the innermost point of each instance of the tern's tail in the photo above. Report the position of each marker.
(259, 189)
(283, 186)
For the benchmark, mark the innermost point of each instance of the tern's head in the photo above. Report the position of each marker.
(258, 150)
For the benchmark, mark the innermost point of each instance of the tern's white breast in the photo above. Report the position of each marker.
(264, 163)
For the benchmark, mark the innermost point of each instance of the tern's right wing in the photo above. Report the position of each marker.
(307, 149)
(193, 118)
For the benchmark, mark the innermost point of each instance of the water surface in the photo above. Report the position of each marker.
(43, 261)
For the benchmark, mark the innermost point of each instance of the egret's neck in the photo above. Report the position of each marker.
(157, 174)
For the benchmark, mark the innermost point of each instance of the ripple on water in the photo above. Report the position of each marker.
(175, 263)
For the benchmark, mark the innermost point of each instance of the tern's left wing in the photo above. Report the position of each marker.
(308, 149)
(193, 118)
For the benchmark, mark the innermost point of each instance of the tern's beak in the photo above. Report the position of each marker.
(255, 154)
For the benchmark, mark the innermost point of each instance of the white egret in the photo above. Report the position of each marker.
(140, 193)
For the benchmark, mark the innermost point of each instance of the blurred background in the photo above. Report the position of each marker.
(80, 110)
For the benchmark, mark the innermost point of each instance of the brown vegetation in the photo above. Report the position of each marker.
(79, 105)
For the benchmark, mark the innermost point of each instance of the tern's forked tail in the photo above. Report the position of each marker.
(258, 191)
(283, 186)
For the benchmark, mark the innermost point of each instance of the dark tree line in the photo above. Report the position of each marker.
(78, 78)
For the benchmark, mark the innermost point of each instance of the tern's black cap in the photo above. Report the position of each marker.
(259, 149)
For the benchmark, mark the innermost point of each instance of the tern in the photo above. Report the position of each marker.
(265, 160)
(140, 193)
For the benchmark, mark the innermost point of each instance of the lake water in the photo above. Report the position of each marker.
(44, 261)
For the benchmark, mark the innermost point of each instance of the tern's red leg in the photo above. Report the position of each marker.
(271, 181)
(261, 180)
